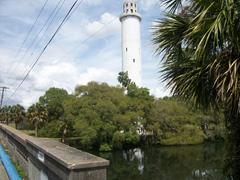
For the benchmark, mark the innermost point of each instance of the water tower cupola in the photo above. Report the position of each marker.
(130, 8)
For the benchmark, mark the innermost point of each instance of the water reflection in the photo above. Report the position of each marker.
(206, 174)
(202, 162)
(135, 154)
(232, 162)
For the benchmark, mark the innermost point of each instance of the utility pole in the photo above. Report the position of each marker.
(3, 90)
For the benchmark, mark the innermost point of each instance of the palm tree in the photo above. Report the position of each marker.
(123, 79)
(199, 43)
(17, 114)
(37, 115)
(6, 114)
(2, 114)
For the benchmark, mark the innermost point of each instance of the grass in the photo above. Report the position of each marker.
(20, 170)
(28, 132)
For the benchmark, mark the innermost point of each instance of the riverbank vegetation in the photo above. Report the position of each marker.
(103, 117)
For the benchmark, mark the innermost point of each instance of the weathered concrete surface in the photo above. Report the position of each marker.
(67, 156)
(3, 174)
(48, 159)
(15, 141)
(66, 162)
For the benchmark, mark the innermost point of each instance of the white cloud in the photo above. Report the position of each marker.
(61, 74)
(69, 60)
(96, 74)
(148, 4)
(160, 92)
(94, 2)
(107, 25)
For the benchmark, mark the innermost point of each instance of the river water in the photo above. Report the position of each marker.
(197, 162)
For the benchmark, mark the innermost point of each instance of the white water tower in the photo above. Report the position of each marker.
(131, 41)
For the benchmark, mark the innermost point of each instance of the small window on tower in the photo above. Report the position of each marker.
(127, 10)
(127, 5)
(126, 49)
(132, 10)
(131, 4)
(133, 60)
(135, 5)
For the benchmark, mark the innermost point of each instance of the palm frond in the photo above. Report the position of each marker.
(172, 5)
(169, 33)
(201, 51)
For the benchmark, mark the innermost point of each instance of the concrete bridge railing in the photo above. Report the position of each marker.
(46, 159)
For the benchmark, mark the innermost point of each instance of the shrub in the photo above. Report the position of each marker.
(188, 135)
(118, 140)
(132, 138)
(50, 130)
(105, 147)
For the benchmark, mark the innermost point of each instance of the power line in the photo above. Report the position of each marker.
(70, 12)
(29, 32)
(77, 6)
(45, 24)
(93, 35)
(49, 24)
(52, 16)
(44, 49)
(52, 20)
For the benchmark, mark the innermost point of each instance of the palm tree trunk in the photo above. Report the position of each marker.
(36, 129)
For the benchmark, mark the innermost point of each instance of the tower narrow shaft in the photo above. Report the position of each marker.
(131, 41)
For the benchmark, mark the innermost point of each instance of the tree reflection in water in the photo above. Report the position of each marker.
(201, 162)
(135, 154)
(232, 162)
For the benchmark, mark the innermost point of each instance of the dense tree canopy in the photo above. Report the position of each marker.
(53, 101)
(105, 117)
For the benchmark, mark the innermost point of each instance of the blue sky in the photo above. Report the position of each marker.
(88, 47)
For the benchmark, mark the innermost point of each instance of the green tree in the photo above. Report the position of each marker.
(37, 115)
(200, 51)
(141, 93)
(123, 79)
(132, 89)
(18, 114)
(107, 110)
(171, 121)
(53, 101)
(6, 114)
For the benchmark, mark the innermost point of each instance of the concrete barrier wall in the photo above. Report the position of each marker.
(46, 159)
